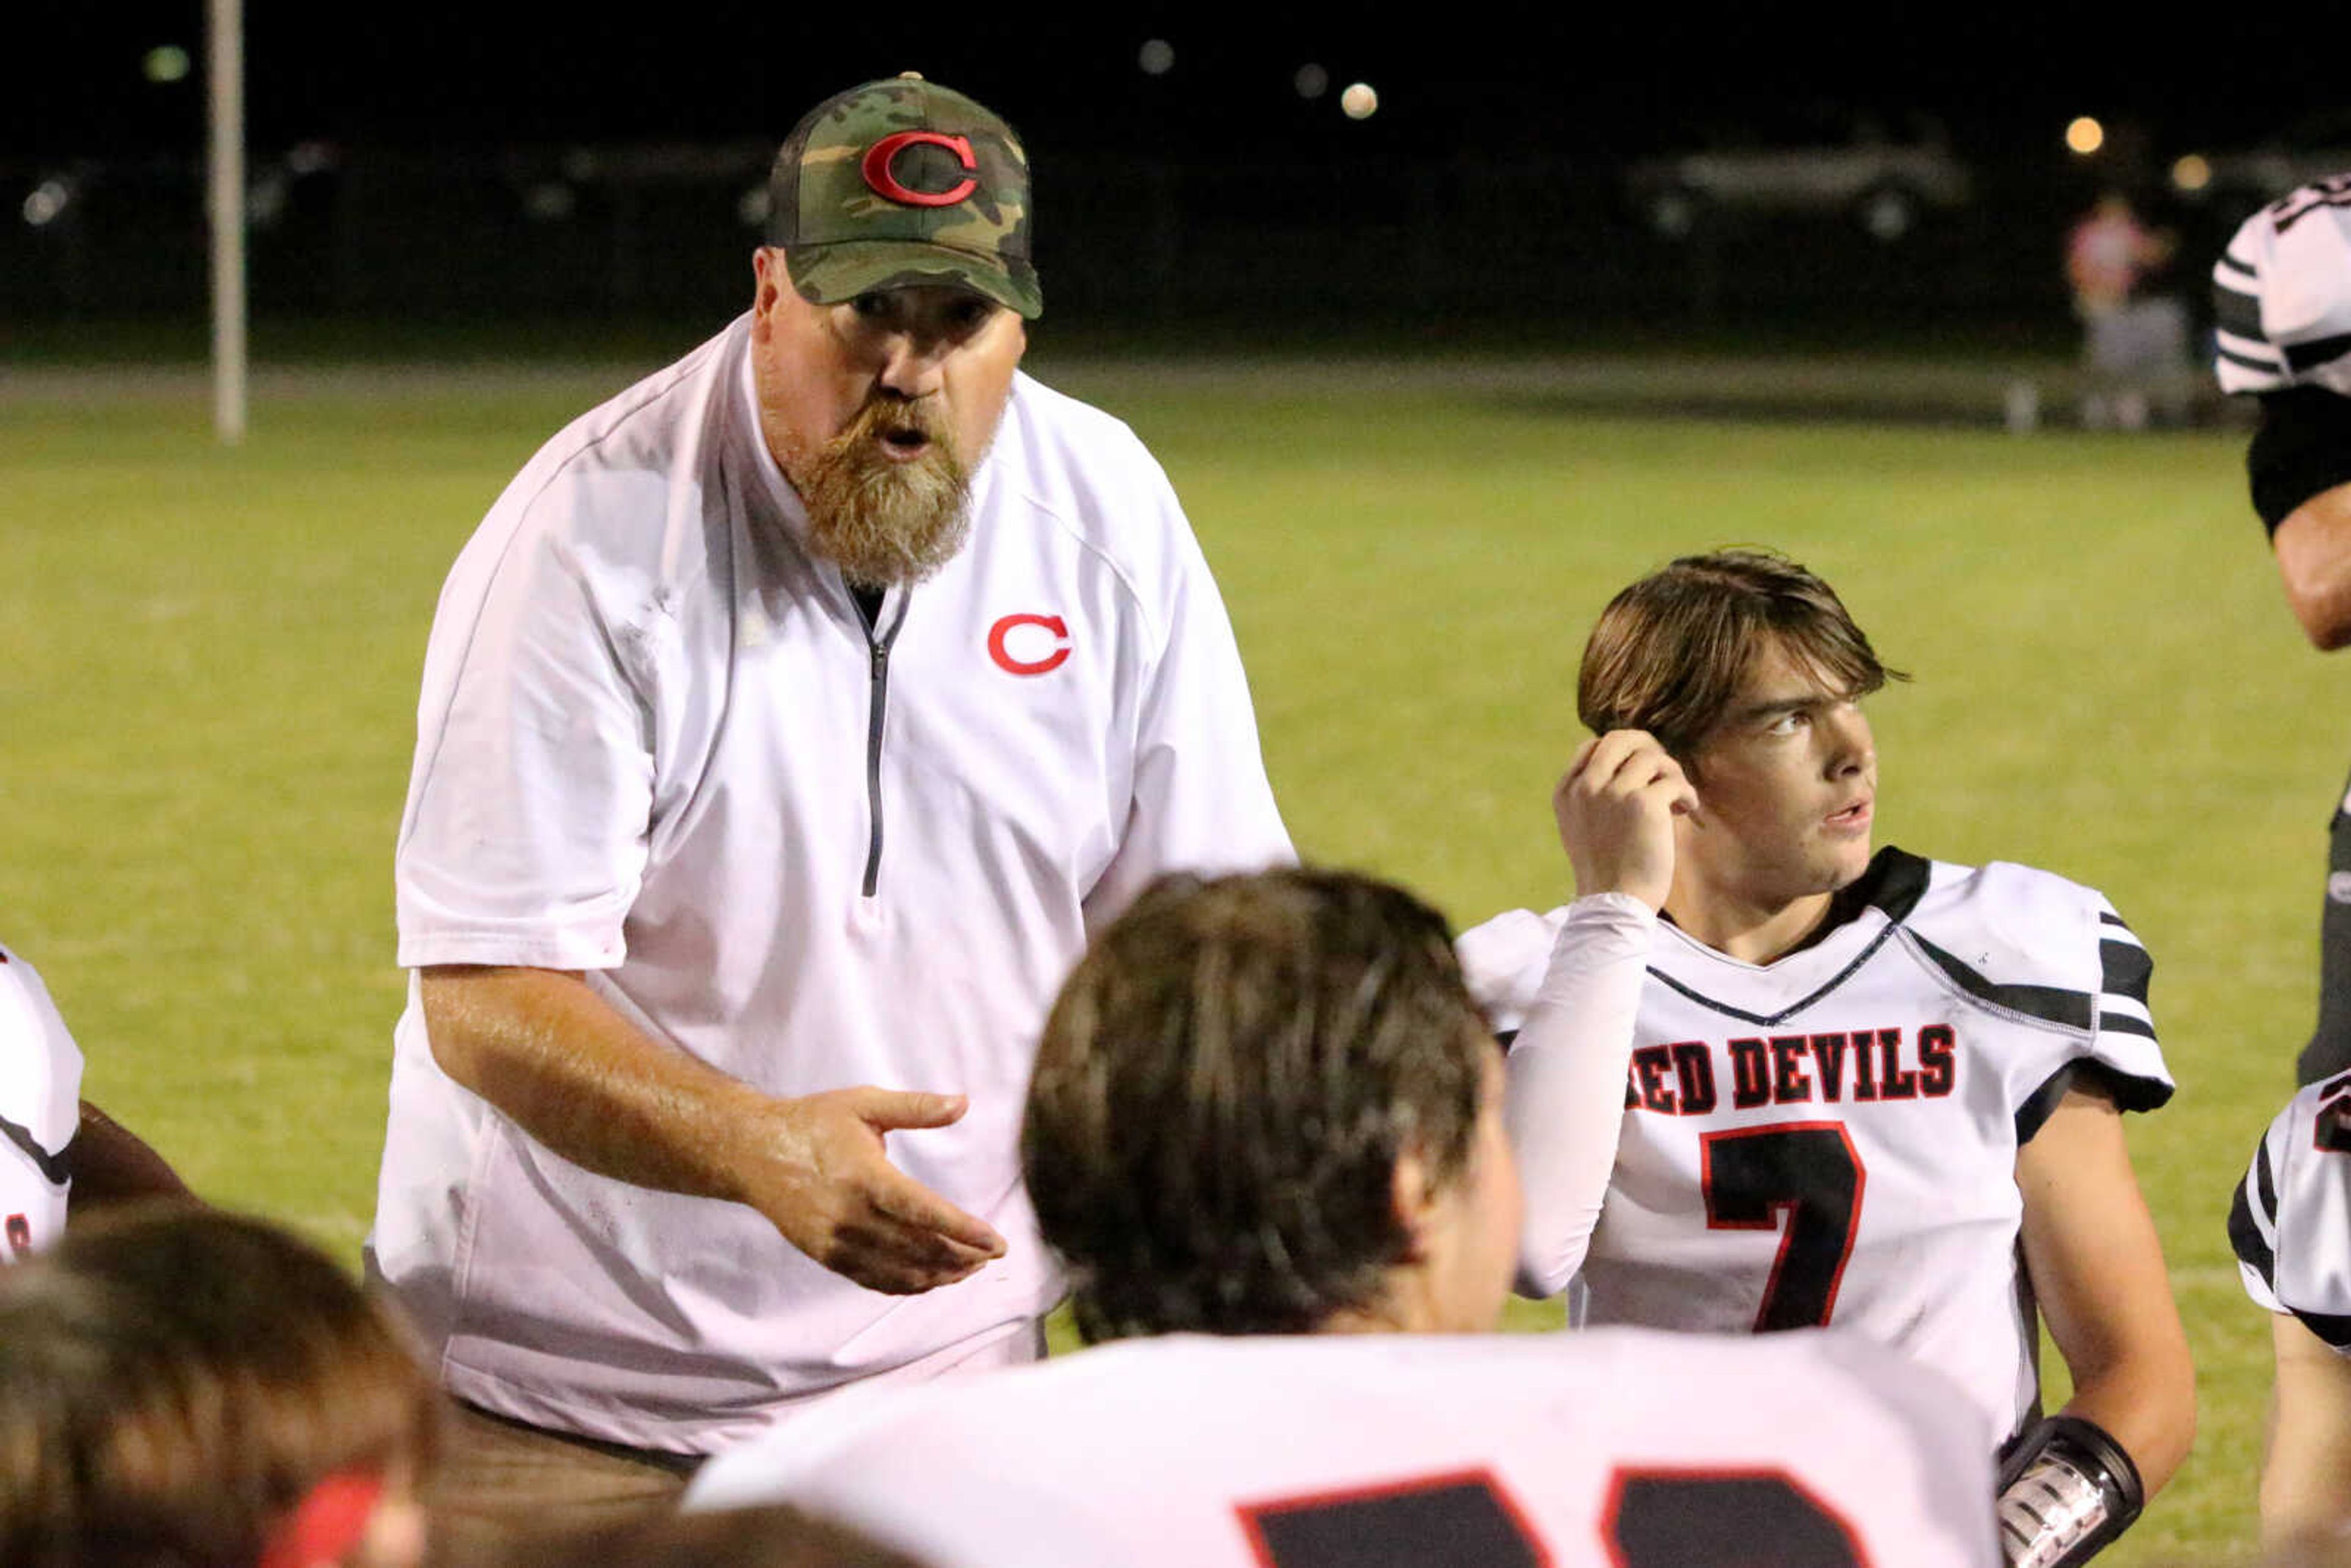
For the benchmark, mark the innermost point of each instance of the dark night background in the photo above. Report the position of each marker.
(1494, 166)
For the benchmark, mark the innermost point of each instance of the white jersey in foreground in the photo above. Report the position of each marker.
(2290, 1222)
(1619, 1449)
(1832, 1138)
(2282, 295)
(40, 1107)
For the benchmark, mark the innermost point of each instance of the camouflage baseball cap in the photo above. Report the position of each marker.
(902, 182)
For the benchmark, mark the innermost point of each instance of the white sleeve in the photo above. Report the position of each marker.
(1565, 1102)
(40, 1089)
(525, 836)
(1201, 801)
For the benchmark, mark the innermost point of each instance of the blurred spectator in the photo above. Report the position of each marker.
(184, 1388)
(2135, 342)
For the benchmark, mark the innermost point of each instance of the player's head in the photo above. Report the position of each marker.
(1749, 669)
(1266, 1104)
(889, 317)
(180, 1385)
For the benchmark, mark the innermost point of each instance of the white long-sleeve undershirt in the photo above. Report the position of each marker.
(1565, 1104)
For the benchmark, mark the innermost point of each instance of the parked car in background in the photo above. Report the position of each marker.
(1882, 173)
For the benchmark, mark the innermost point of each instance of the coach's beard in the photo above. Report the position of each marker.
(887, 521)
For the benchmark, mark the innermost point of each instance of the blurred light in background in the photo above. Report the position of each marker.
(2085, 135)
(310, 157)
(550, 201)
(49, 198)
(752, 207)
(165, 63)
(1359, 101)
(1312, 80)
(1157, 58)
(2191, 173)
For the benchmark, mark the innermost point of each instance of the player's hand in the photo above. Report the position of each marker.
(1615, 807)
(830, 1189)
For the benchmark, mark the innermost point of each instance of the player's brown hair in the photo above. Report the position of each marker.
(1668, 654)
(769, 1535)
(1222, 1092)
(175, 1380)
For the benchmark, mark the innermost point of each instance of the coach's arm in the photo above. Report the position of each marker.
(2097, 1268)
(546, 1050)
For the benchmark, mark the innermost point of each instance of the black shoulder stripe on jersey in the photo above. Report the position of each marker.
(2123, 1023)
(2247, 362)
(2237, 312)
(2052, 1004)
(2334, 1328)
(2127, 968)
(2245, 1239)
(2317, 351)
(2243, 269)
(54, 1168)
(2127, 1093)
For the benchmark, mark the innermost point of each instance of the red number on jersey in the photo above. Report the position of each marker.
(1803, 1179)
(1724, 1519)
(20, 1235)
(1655, 1519)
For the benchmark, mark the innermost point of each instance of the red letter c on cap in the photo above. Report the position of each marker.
(1000, 650)
(878, 158)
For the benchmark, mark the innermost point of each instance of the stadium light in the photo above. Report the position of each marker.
(1157, 57)
(49, 201)
(165, 63)
(1359, 101)
(2191, 173)
(2085, 136)
(1312, 80)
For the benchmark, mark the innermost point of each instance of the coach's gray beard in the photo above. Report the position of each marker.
(883, 521)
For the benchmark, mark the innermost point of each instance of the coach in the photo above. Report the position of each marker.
(785, 727)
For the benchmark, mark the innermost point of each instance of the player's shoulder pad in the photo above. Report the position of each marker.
(2027, 941)
(2282, 294)
(2290, 1221)
(1503, 961)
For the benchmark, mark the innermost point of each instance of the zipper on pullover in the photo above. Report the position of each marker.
(869, 613)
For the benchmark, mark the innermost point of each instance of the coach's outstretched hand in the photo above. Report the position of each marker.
(833, 1193)
(1615, 807)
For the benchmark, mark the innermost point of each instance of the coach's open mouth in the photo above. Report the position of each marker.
(905, 442)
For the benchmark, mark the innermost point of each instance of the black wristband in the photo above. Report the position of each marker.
(2303, 447)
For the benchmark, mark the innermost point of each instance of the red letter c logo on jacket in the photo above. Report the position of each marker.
(1050, 654)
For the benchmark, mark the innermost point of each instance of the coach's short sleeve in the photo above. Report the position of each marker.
(2290, 1224)
(525, 836)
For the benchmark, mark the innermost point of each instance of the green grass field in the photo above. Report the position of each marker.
(208, 664)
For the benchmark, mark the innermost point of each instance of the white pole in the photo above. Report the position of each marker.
(226, 97)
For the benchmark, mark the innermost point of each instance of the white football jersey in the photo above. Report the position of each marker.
(2282, 294)
(2290, 1222)
(40, 1107)
(1830, 1139)
(1620, 1449)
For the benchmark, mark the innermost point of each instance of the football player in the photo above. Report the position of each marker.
(1265, 1136)
(2291, 1228)
(1866, 1091)
(2281, 300)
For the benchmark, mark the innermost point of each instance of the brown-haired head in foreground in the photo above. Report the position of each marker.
(1669, 653)
(182, 1386)
(1224, 1090)
(773, 1535)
